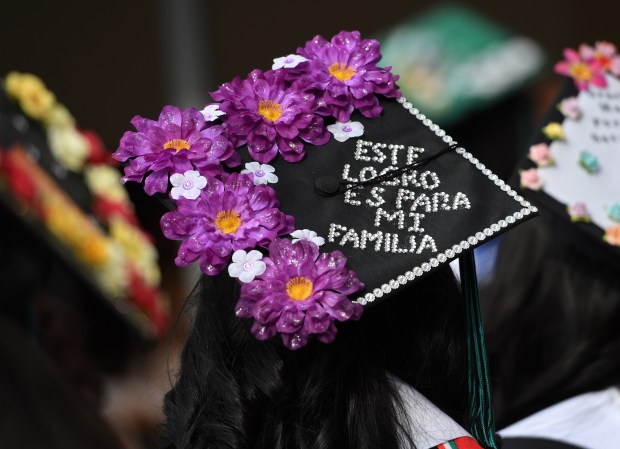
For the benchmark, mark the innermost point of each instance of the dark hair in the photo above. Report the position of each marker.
(551, 318)
(234, 391)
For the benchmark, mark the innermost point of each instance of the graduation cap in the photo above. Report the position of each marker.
(570, 170)
(322, 190)
(63, 196)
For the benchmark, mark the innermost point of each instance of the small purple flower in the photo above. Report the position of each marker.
(300, 293)
(270, 117)
(346, 71)
(229, 215)
(578, 212)
(176, 143)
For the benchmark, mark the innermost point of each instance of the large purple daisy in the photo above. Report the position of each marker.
(177, 142)
(300, 293)
(270, 117)
(346, 71)
(228, 215)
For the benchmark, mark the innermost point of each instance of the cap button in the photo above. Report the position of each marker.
(327, 185)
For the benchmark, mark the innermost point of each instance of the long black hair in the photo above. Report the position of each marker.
(234, 391)
(551, 319)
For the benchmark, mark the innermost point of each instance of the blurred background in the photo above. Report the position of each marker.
(87, 366)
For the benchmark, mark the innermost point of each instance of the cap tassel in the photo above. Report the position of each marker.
(480, 412)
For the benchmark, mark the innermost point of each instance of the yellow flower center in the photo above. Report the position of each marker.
(341, 72)
(271, 110)
(227, 221)
(299, 288)
(581, 71)
(177, 145)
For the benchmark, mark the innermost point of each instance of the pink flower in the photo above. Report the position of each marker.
(569, 107)
(531, 180)
(584, 72)
(540, 155)
(605, 54)
(578, 212)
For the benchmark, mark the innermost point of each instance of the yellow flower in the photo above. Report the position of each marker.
(554, 131)
(59, 115)
(93, 250)
(68, 146)
(105, 181)
(33, 97)
(113, 277)
(612, 235)
(138, 249)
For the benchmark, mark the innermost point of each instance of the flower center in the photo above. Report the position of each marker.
(259, 173)
(271, 110)
(248, 266)
(227, 221)
(347, 129)
(187, 185)
(341, 72)
(177, 145)
(299, 288)
(581, 71)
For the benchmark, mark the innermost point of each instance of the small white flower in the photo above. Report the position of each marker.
(246, 266)
(211, 112)
(287, 62)
(263, 173)
(187, 185)
(343, 131)
(307, 234)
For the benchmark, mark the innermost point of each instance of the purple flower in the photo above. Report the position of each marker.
(176, 143)
(270, 117)
(346, 71)
(300, 293)
(229, 215)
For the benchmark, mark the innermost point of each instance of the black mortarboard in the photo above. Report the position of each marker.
(436, 199)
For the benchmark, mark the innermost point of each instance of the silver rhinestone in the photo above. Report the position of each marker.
(474, 160)
(534, 209)
(512, 193)
(480, 235)
(486, 172)
(394, 283)
(464, 245)
(494, 227)
(503, 223)
(510, 219)
(519, 198)
(450, 253)
(441, 133)
(481, 166)
(518, 215)
(407, 105)
(361, 301)
(447, 139)
(377, 292)
(409, 275)
(526, 203)
(467, 155)
(401, 99)
(506, 188)
(493, 177)
(434, 262)
(386, 288)
(402, 280)
(460, 150)
(426, 266)
(441, 257)
(369, 297)
(458, 249)
(434, 127)
(418, 271)
(414, 111)
(427, 122)
(472, 240)
(421, 116)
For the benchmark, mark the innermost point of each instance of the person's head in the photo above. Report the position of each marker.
(235, 391)
(551, 318)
